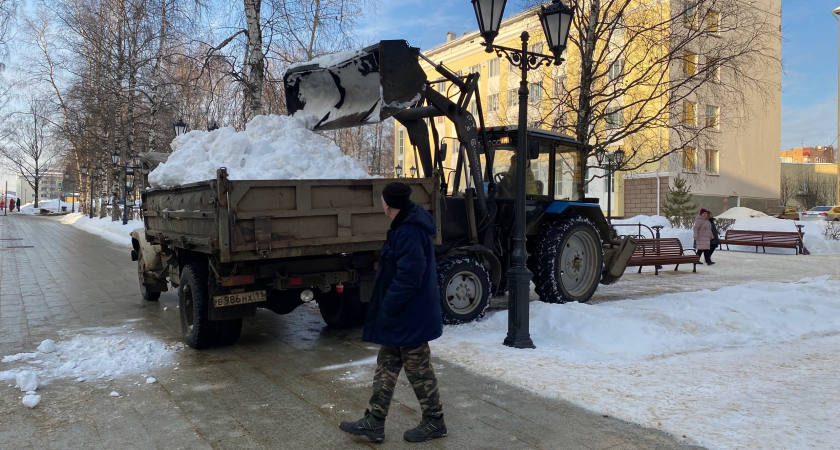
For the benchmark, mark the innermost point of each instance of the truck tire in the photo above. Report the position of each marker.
(194, 305)
(144, 289)
(229, 331)
(464, 284)
(569, 261)
(342, 310)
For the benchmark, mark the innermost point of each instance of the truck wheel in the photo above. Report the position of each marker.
(342, 310)
(570, 261)
(144, 289)
(464, 284)
(229, 331)
(194, 305)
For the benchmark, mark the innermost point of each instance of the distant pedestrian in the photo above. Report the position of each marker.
(403, 316)
(703, 236)
(2, 205)
(716, 239)
(18, 204)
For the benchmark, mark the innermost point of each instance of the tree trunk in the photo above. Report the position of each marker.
(587, 74)
(256, 60)
(156, 79)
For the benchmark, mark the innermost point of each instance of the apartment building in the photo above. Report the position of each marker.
(731, 161)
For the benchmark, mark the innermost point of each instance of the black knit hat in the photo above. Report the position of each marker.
(397, 195)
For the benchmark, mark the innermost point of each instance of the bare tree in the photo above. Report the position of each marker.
(30, 143)
(639, 75)
(788, 188)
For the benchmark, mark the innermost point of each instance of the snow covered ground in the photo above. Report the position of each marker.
(744, 367)
(51, 204)
(115, 232)
(271, 148)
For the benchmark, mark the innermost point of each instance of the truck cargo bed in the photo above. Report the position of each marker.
(242, 220)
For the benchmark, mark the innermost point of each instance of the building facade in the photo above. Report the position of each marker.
(736, 164)
(805, 155)
(49, 188)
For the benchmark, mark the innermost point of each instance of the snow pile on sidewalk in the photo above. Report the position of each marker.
(53, 205)
(272, 147)
(750, 366)
(107, 353)
(113, 231)
(739, 212)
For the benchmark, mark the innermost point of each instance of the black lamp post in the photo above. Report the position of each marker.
(555, 21)
(413, 171)
(128, 170)
(84, 170)
(180, 127)
(72, 192)
(611, 162)
(213, 127)
(398, 170)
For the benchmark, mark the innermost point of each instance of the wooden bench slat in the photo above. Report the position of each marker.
(658, 252)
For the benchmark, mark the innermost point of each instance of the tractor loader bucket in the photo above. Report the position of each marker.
(348, 89)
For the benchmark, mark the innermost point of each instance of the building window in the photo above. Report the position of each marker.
(689, 63)
(493, 68)
(712, 117)
(475, 69)
(535, 48)
(493, 102)
(713, 22)
(712, 161)
(689, 14)
(441, 87)
(439, 119)
(401, 144)
(712, 69)
(616, 70)
(473, 108)
(535, 92)
(559, 85)
(688, 116)
(689, 159)
(615, 118)
(513, 97)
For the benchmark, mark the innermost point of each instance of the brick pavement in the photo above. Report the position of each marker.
(270, 391)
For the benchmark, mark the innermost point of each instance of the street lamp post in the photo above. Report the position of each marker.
(128, 171)
(555, 21)
(72, 192)
(84, 170)
(180, 127)
(398, 170)
(610, 161)
(413, 171)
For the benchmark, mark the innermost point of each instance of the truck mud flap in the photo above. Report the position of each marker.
(625, 252)
(233, 312)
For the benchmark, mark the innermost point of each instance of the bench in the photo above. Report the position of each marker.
(659, 252)
(763, 239)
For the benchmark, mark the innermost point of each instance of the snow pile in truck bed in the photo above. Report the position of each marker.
(271, 148)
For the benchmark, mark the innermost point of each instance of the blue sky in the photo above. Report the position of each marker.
(809, 53)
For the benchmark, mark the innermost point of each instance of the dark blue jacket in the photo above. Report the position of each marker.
(404, 310)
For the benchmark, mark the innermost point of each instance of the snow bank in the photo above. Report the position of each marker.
(113, 231)
(108, 353)
(53, 205)
(719, 367)
(271, 148)
(330, 60)
(739, 212)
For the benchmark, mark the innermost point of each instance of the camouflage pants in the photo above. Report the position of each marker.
(418, 369)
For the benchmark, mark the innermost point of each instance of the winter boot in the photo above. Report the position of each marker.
(429, 428)
(370, 426)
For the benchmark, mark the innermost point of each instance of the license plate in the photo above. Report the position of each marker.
(238, 299)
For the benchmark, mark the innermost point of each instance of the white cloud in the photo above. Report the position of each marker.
(810, 125)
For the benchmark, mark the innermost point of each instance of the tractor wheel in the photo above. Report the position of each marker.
(464, 284)
(569, 261)
(145, 290)
(342, 310)
(194, 305)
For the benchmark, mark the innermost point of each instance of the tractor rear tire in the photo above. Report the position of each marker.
(569, 261)
(464, 284)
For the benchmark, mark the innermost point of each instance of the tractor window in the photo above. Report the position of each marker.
(537, 172)
(566, 173)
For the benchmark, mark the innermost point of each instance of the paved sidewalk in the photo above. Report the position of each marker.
(273, 390)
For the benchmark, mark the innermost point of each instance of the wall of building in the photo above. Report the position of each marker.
(640, 195)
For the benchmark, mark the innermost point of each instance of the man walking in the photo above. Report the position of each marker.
(403, 316)
(18, 204)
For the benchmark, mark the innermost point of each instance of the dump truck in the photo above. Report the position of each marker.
(232, 246)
